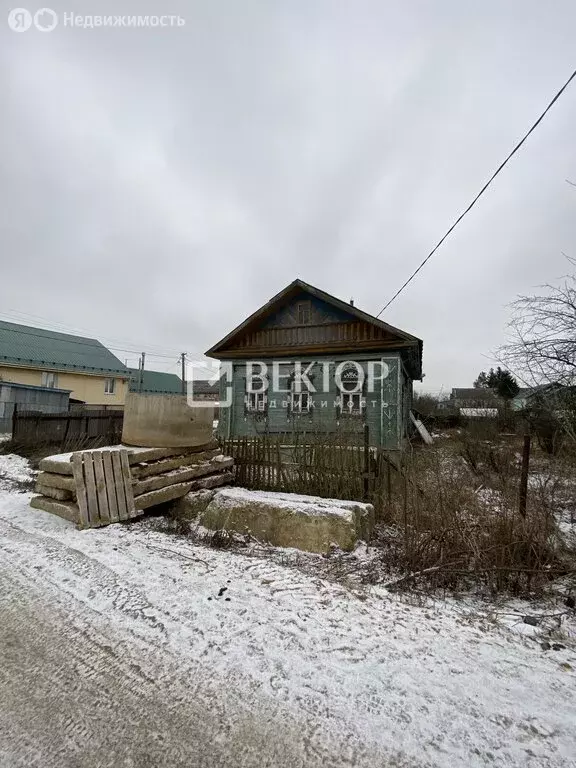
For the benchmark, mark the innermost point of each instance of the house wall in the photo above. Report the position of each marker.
(384, 407)
(83, 386)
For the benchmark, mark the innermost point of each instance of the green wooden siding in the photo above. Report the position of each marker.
(383, 414)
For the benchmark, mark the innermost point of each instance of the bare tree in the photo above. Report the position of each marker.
(542, 344)
(541, 350)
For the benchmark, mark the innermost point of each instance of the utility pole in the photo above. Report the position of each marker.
(183, 359)
(141, 382)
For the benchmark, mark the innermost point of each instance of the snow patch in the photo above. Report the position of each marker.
(14, 469)
(307, 505)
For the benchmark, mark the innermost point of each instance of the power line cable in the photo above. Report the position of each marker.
(85, 342)
(61, 328)
(479, 195)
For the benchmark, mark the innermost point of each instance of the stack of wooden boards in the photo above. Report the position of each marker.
(108, 485)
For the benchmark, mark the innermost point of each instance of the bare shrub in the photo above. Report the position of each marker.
(460, 524)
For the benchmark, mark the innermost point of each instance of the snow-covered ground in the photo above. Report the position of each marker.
(124, 646)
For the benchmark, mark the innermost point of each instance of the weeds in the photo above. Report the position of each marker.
(462, 529)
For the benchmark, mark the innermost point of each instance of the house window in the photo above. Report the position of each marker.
(256, 402)
(304, 312)
(300, 398)
(49, 379)
(352, 400)
(109, 386)
(256, 396)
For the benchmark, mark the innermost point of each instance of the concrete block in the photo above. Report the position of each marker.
(189, 507)
(165, 421)
(289, 520)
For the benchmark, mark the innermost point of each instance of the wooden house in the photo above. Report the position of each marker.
(309, 362)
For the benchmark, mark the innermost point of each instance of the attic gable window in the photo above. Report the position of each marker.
(304, 312)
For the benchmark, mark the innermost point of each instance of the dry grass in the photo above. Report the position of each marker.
(455, 508)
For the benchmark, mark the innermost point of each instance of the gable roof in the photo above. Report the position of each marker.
(50, 350)
(157, 382)
(296, 287)
(473, 393)
(206, 387)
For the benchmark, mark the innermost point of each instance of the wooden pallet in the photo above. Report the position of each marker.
(103, 487)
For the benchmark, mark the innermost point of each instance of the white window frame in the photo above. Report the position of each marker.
(300, 398)
(107, 389)
(256, 402)
(351, 403)
(49, 379)
(304, 312)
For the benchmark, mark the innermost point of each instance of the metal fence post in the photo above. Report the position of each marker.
(523, 495)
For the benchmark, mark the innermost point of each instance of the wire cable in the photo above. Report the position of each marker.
(479, 195)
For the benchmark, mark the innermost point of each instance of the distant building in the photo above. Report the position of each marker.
(528, 396)
(43, 358)
(155, 382)
(26, 397)
(203, 389)
(473, 397)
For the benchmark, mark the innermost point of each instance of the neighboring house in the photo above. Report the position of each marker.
(44, 358)
(204, 389)
(155, 382)
(473, 397)
(555, 397)
(329, 367)
(26, 397)
(530, 395)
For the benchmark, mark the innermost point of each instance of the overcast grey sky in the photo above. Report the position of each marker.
(158, 185)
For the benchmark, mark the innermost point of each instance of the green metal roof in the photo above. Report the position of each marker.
(155, 381)
(39, 348)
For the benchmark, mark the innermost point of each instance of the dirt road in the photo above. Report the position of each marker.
(128, 648)
(75, 690)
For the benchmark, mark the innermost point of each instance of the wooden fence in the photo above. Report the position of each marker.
(67, 428)
(320, 465)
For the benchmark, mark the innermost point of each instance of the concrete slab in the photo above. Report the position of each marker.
(66, 509)
(182, 475)
(60, 463)
(54, 480)
(162, 495)
(54, 493)
(288, 520)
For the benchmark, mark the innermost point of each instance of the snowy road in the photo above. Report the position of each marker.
(116, 650)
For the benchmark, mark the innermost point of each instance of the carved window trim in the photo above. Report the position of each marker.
(351, 404)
